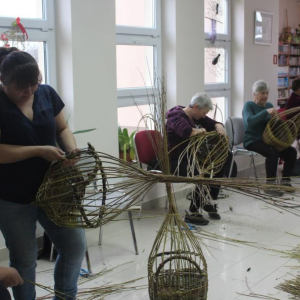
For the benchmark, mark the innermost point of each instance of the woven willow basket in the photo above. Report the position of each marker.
(169, 282)
(177, 269)
(279, 133)
(63, 192)
(213, 151)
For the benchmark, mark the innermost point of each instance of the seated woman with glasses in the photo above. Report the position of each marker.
(256, 114)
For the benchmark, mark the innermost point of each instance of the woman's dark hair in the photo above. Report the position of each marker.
(20, 68)
(4, 51)
(296, 85)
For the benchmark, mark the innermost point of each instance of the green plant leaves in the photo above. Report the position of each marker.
(126, 142)
(83, 131)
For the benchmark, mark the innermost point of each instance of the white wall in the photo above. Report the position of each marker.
(182, 49)
(86, 53)
(251, 62)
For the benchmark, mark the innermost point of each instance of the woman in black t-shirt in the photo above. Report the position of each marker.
(31, 123)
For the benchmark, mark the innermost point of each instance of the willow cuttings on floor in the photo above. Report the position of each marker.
(96, 293)
(289, 202)
(291, 286)
(257, 296)
(202, 234)
(281, 133)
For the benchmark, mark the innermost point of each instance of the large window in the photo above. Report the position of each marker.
(37, 16)
(30, 9)
(138, 48)
(138, 57)
(135, 13)
(217, 56)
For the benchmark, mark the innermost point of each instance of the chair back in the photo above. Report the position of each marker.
(235, 130)
(145, 143)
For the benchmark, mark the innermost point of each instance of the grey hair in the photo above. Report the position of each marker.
(201, 100)
(260, 86)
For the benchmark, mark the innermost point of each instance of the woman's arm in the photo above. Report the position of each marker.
(64, 136)
(15, 153)
(196, 131)
(220, 129)
(253, 119)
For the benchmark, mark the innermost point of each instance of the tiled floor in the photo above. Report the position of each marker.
(232, 268)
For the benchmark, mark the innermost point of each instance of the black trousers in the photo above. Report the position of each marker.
(4, 293)
(288, 155)
(199, 198)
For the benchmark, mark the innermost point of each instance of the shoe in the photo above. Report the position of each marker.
(271, 191)
(195, 218)
(212, 211)
(287, 184)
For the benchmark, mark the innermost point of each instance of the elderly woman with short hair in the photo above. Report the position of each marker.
(256, 115)
(182, 123)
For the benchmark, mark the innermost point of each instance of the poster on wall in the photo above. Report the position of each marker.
(263, 28)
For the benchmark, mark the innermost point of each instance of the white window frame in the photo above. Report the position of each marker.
(40, 30)
(224, 36)
(227, 96)
(227, 84)
(216, 90)
(142, 36)
(46, 22)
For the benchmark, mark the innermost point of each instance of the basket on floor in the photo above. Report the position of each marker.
(173, 283)
(177, 269)
(279, 133)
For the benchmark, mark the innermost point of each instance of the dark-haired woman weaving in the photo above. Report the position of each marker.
(31, 125)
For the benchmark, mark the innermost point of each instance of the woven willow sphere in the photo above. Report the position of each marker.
(213, 150)
(279, 133)
(207, 152)
(177, 269)
(63, 190)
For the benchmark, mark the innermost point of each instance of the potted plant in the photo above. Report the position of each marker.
(126, 147)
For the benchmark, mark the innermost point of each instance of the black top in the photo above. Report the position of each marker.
(20, 181)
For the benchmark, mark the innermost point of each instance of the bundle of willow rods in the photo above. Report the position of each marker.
(281, 134)
(64, 198)
(176, 266)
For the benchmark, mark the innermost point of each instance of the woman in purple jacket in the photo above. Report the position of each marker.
(182, 123)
